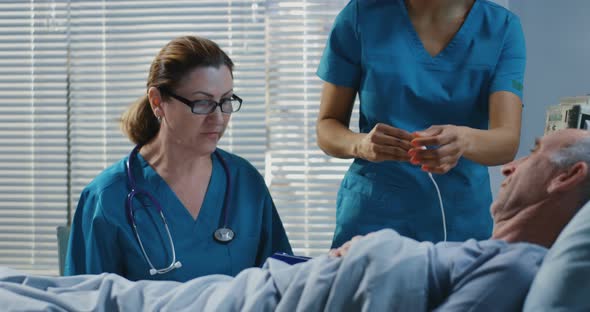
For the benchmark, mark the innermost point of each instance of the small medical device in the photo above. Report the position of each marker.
(222, 235)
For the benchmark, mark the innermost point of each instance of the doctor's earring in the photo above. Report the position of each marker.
(158, 115)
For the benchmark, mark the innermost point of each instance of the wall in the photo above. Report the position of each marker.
(557, 35)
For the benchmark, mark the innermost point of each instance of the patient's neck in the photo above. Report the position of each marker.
(539, 224)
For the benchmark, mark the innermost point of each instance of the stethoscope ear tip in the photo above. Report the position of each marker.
(177, 264)
(153, 272)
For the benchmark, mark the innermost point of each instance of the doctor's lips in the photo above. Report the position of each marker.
(212, 134)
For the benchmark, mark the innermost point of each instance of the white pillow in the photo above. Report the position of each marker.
(563, 281)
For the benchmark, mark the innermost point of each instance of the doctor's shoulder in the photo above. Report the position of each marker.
(107, 188)
(240, 168)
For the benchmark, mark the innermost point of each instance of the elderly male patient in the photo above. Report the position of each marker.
(382, 271)
(539, 196)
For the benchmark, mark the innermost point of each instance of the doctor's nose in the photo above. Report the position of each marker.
(216, 115)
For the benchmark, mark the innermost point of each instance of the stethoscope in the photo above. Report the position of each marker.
(222, 235)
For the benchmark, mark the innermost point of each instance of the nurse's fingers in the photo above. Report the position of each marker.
(383, 152)
(436, 154)
(436, 136)
(393, 131)
(376, 152)
(385, 139)
(436, 140)
(439, 162)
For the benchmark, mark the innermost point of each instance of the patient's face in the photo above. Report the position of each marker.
(528, 178)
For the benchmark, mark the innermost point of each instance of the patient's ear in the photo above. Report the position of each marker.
(570, 178)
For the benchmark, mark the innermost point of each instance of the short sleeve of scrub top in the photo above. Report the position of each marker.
(374, 48)
(92, 247)
(509, 72)
(340, 63)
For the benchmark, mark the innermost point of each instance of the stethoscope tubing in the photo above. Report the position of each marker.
(134, 191)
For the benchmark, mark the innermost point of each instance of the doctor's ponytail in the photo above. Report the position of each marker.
(139, 122)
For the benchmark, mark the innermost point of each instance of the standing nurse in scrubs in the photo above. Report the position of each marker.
(176, 127)
(442, 74)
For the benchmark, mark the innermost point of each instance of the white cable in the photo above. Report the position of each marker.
(440, 202)
(442, 208)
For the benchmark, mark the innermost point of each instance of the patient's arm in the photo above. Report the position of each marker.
(490, 276)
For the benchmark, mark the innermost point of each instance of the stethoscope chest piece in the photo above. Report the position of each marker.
(224, 235)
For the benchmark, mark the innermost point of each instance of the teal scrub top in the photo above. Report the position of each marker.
(374, 48)
(102, 239)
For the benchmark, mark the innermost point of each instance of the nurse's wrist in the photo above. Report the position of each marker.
(465, 139)
(356, 145)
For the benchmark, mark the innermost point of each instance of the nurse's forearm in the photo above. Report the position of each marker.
(337, 140)
(333, 135)
(490, 147)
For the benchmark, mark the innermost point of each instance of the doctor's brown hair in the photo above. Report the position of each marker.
(176, 59)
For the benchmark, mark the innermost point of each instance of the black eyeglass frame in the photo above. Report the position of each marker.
(210, 104)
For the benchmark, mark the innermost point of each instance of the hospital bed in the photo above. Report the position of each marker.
(371, 280)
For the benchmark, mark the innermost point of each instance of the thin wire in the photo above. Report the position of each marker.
(442, 208)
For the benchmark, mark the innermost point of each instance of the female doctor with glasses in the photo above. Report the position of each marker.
(177, 207)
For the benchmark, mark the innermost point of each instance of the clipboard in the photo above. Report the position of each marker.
(287, 258)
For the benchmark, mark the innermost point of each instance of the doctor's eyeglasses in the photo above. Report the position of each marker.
(205, 107)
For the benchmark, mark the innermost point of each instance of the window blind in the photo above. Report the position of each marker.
(33, 131)
(304, 181)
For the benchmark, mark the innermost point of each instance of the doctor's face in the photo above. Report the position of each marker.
(199, 132)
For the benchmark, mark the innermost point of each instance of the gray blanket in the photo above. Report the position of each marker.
(383, 272)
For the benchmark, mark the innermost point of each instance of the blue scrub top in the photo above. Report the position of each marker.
(102, 239)
(373, 48)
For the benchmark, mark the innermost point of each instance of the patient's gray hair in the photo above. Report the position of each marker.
(566, 157)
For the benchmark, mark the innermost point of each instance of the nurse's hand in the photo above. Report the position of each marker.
(385, 142)
(450, 146)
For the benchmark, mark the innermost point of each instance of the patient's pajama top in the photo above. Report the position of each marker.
(482, 276)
